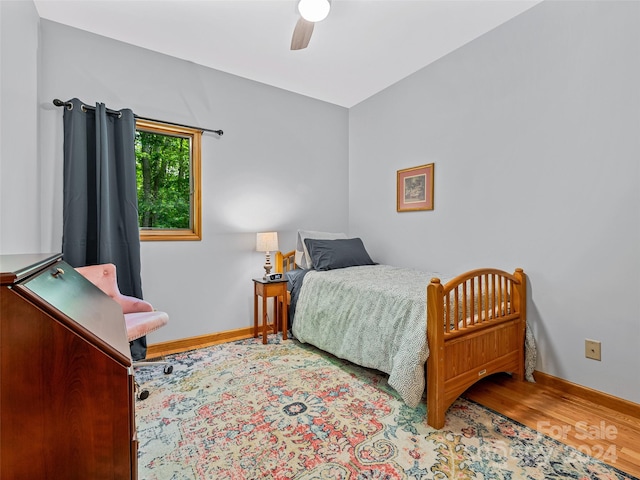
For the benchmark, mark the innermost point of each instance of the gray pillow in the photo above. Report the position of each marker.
(338, 253)
(303, 259)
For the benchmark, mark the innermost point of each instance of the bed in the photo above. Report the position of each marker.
(375, 316)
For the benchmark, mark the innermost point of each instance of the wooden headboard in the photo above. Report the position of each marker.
(285, 261)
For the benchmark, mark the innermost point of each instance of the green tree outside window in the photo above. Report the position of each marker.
(168, 181)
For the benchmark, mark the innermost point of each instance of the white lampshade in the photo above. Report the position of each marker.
(267, 242)
(314, 10)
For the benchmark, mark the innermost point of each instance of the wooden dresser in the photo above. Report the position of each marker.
(66, 382)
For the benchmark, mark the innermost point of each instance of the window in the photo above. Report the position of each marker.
(168, 180)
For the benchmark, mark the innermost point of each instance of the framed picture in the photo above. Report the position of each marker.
(415, 188)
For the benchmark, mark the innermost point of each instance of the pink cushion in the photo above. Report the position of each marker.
(104, 277)
(143, 323)
(139, 315)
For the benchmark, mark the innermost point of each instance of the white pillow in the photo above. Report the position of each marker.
(303, 260)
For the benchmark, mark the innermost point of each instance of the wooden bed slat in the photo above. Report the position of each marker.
(285, 262)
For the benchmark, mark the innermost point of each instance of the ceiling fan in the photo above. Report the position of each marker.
(311, 11)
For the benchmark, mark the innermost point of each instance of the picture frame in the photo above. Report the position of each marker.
(415, 188)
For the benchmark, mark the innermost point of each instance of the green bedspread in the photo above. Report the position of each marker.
(374, 316)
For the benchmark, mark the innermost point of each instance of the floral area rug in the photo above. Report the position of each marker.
(245, 410)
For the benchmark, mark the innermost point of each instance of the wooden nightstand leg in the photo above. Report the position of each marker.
(255, 311)
(285, 316)
(264, 319)
(276, 316)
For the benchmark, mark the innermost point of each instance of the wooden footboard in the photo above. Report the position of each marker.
(475, 327)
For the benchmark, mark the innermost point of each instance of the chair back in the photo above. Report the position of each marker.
(102, 276)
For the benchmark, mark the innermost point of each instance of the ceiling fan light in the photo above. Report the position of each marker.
(314, 10)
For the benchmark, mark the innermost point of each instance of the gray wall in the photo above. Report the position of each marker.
(534, 132)
(19, 173)
(269, 171)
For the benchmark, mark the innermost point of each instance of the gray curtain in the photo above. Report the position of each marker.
(100, 202)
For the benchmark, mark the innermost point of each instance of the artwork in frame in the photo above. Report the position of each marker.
(415, 188)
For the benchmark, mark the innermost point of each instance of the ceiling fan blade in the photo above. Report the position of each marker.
(301, 34)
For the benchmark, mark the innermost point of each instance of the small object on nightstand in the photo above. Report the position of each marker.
(265, 289)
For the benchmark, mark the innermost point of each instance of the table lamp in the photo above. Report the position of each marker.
(267, 242)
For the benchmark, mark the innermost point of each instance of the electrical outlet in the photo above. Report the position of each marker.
(592, 349)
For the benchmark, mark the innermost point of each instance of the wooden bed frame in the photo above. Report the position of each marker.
(475, 327)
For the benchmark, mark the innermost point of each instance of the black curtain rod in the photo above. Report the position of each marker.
(69, 105)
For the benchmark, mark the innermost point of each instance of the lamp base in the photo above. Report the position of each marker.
(267, 266)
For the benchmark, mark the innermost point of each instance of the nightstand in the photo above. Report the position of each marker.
(265, 289)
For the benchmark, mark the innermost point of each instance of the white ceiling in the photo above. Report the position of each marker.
(362, 47)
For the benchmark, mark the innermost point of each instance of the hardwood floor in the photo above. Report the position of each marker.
(611, 435)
